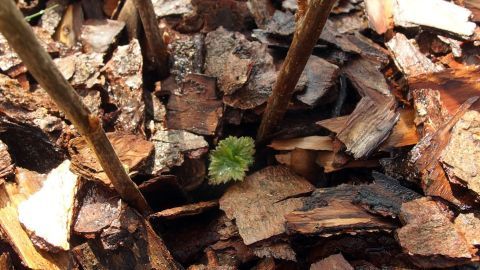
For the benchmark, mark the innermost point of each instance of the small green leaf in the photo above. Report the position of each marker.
(230, 160)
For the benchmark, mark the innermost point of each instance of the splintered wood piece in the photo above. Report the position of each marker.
(308, 143)
(16, 236)
(124, 74)
(245, 70)
(99, 35)
(424, 160)
(186, 210)
(455, 85)
(408, 57)
(330, 211)
(469, 226)
(321, 75)
(385, 196)
(172, 145)
(368, 126)
(47, 214)
(70, 27)
(461, 156)
(429, 237)
(442, 16)
(430, 113)
(260, 201)
(7, 168)
(368, 80)
(380, 15)
(119, 238)
(197, 109)
(132, 150)
(404, 132)
(333, 262)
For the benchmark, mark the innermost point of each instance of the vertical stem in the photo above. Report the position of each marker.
(306, 36)
(156, 48)
(20, 36)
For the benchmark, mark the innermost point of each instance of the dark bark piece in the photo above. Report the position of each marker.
(385, 196)
(368, 126)
(92, 10)
(428, 168)
(10, 197)
(133, 151)
(429, 237)
(260, 201)
(197, 108)
(455, 85)
(124, 74)
(7, 167)
(54, 202)
(186, 210)
(173, 146)
(367, 79)
(408, 57)
(124, 240)
(230, 14)
(334, 262)
(430, 113)
(187, 55)
(281, 24)
(321, 76)
(244, 69)
(262, 11)
(100, 35)
(460, 157)
(330, 211)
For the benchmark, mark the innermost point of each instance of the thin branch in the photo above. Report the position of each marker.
(306, 36)
(156, 48)
(20, 36)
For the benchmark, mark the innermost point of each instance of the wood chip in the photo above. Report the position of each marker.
(260, 201)
(308, 143)
(429, 236)
(47, 214)
(330, 211)
(367, 127)
(186, 210)
(197, 108)
(408, 57)
(99, 35)
(135, 159)
(334, 262)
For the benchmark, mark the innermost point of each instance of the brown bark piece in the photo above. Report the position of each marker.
(133, 151)
(321, 76)
(7, 168)
(385, 196)
(429, 236)
(260, 201)
(186, 210)
(469, 226)
(444, 16)
(330, 211)
(187, 55)
(124, 74)
(333, 262)
(99, 35)
(308, 143)
(278, 250)
(5, 262)
(367, 79)
(455, 85)
(461, 156)
(124, 239)
(197, 108)
(18, 238)
(326, 160)
(52, 16)
(368, 126)
(408, 57)
(244, 69)
(262, 11)
(230, 14)
(171, 147)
